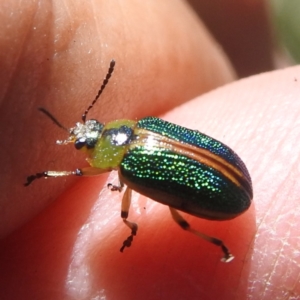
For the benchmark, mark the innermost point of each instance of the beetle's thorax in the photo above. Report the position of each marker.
(111, 146)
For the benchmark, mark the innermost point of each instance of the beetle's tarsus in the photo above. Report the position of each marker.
(127, 242)
(29, 180)
(34, 177)
(228, 256)
(114, 188)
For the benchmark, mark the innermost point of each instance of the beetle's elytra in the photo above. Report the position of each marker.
(176, 166)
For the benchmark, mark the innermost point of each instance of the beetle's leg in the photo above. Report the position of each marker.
(89, 171)
(124, 215)
(118, 187)
(186, 226)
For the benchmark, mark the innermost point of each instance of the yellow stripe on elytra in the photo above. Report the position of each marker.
(157, 141)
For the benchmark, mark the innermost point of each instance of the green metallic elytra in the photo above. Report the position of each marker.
(176, 166)
(179, 167)
(200, 175)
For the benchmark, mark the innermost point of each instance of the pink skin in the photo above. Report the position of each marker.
(61, 237)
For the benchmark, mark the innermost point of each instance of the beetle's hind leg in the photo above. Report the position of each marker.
(124, 215)
(186, 226)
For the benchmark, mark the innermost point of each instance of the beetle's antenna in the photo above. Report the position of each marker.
(49, 115)
(105, 81)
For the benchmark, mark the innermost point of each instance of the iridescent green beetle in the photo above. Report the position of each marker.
(173, 165)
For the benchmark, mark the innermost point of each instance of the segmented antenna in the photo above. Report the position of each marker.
(105, 81)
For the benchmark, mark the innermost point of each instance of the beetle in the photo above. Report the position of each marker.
(176, 166)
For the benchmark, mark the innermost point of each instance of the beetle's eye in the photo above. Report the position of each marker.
(79, 143)
(91, 142)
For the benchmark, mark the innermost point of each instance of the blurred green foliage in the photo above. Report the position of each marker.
(286, 17)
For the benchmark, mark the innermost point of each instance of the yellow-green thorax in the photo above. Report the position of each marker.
(111, 145)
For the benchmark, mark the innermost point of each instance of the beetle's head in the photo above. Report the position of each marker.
(84, 134)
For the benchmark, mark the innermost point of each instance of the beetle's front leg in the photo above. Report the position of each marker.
(89, 171)
(186, 226)
(124, 215)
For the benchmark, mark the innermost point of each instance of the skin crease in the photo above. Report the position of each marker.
(55, 57)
